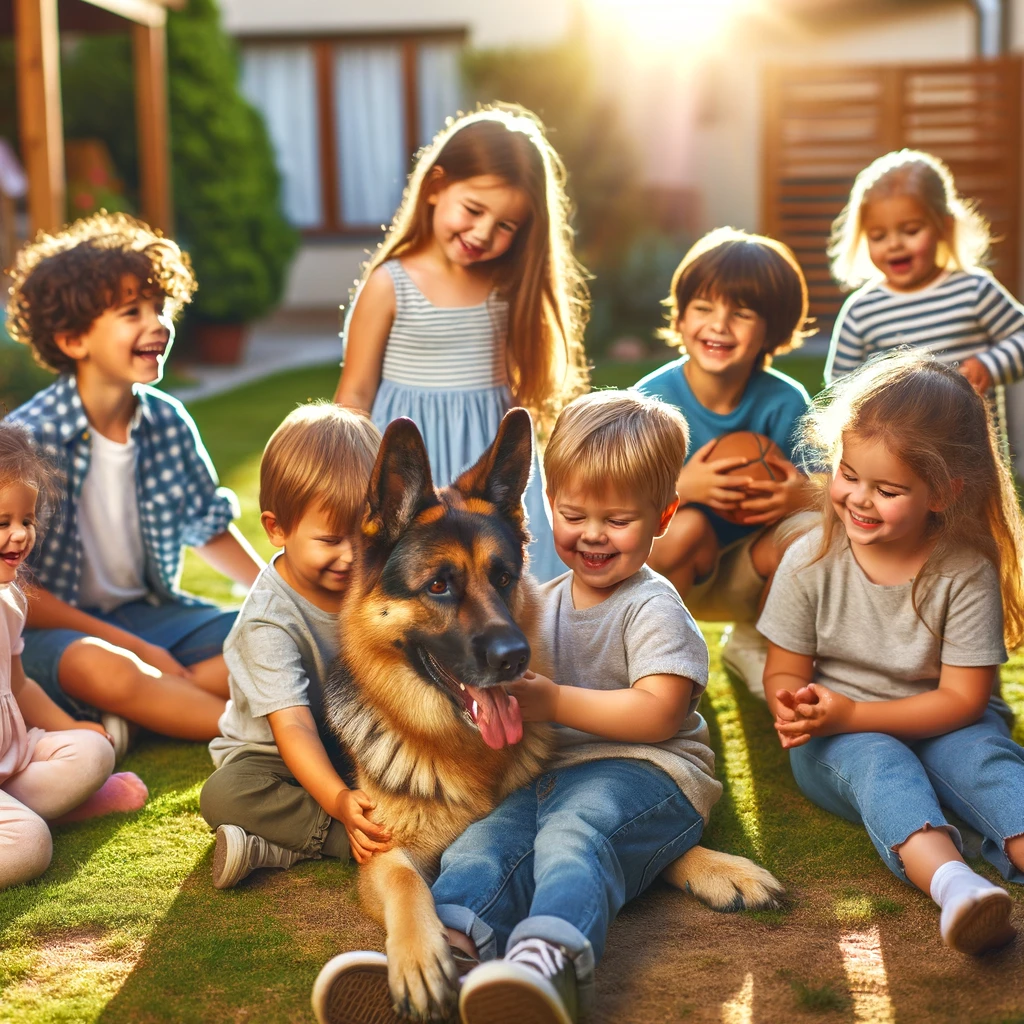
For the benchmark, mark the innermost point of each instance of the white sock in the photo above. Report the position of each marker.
(954, 882)
(954, 886)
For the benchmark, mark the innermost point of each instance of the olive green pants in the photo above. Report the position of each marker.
(256, 791)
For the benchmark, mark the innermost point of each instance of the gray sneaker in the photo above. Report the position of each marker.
(236, 854)
(120, 732)
(535, 983)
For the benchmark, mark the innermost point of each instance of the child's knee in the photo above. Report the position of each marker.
(96, 756)
(101, 674)
(30, 849)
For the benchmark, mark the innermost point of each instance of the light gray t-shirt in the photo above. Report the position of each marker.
(643, 629)
(867, 640)
(278, 651)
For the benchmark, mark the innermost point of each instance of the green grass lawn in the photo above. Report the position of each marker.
(125, 927)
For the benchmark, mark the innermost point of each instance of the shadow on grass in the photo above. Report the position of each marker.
(249, 954)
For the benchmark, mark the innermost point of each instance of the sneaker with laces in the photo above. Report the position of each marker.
(236, 854)
(744, 654)
(535, 983)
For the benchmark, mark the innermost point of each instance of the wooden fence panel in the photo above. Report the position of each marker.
(822, 125)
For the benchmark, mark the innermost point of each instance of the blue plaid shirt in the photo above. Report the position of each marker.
(176, 486)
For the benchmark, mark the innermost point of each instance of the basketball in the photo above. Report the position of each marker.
(762, 457)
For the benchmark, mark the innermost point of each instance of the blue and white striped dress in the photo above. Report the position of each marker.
(961, 314)
(444, 368)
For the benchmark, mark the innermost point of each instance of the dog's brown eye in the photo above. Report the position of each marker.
(504, 579)
(438, 586)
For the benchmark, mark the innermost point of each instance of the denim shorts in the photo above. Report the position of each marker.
(191, 632)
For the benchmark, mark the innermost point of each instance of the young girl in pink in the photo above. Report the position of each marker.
(52, 768)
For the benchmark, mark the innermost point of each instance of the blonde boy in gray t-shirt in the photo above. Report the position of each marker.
(633, 782)
(277, 796)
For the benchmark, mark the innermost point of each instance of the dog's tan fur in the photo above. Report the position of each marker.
(423, 764)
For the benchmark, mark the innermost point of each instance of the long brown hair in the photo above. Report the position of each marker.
(963, 231)
(539, 276)
(930, 418)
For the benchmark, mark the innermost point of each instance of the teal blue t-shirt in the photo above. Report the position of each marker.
(771, 405)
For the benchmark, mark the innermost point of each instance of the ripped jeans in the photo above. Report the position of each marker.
(894, 788)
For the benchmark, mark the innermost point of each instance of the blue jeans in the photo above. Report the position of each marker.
(558, 859)
(192, 633)
(894, 788)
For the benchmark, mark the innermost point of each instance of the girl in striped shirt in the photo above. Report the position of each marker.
(473, 301)
(916, 248)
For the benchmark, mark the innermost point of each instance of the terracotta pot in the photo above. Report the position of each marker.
(220, 344)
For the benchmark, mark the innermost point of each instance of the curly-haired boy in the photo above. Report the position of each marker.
(110, 632)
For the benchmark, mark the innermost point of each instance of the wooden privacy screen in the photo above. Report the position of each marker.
(822, 125)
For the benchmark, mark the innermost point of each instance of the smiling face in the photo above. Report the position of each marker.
(880, 501)
(721, 337)
(316, 558)
(17, 527)
(902, 241)
(477, 219)
(603, 537)
(127, 343)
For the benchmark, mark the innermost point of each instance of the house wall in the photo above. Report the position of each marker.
(525, 22)
(323, 271)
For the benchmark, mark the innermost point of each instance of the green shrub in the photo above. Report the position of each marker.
(20, 376)
(227, 189)
(226, 185)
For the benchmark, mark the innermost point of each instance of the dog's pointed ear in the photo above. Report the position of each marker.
(400, 484)
(503, 471)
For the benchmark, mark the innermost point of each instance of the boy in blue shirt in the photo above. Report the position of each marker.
(737, 299)
(110, 633)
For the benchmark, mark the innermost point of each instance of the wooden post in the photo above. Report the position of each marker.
(39, 111)
(149, 51)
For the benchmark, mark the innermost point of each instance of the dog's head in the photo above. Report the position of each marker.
(438, 584)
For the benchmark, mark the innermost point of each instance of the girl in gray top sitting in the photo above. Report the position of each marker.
(887, 624)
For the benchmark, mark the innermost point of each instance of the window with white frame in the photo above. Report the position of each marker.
(345, 117)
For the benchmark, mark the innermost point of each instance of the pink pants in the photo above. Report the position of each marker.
(65, 770)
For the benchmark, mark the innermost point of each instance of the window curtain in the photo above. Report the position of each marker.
(369, 105)
(280, 81)
(439, 84)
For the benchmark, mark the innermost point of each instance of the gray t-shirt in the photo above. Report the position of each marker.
(279, 649)
(643, 629)
(867, 640)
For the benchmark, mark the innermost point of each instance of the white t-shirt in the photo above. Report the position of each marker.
(113, 560)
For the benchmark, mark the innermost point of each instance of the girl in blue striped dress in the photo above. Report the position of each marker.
(917, 249)
(474, 301)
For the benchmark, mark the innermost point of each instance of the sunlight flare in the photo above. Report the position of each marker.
(864, 965)
(662, 24)
(740, 1009)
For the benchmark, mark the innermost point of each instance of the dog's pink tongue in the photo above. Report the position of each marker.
(497, 716)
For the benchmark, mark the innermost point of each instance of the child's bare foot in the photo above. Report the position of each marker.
(122, 792)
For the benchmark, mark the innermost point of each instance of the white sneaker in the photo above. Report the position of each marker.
(980, 922)
(119, 731)
(237, 854)
(535, 983)
(745, 654)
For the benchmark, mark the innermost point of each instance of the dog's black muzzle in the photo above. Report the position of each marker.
(504, 650)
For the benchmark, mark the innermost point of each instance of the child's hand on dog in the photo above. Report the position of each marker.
(365, 837)
(537, 697)
(810, 711)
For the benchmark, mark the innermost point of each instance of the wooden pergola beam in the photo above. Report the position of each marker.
(37, 43)
(149, 56)
(39, 110)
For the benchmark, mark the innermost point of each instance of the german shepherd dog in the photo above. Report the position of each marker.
(436, 618)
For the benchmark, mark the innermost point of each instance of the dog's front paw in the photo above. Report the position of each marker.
(422, 976)
(725, 882)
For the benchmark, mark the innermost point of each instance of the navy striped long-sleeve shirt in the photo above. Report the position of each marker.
(963, 314)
